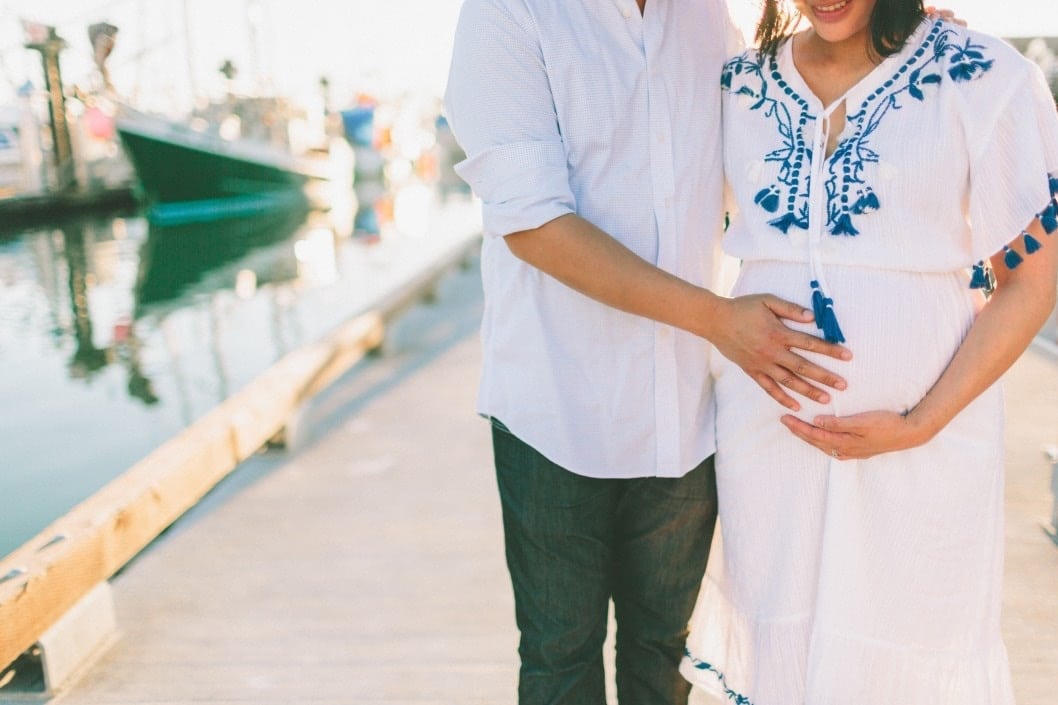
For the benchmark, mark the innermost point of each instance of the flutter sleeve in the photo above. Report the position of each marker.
(1014, 170)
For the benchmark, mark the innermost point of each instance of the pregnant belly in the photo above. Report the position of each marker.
(902, 328)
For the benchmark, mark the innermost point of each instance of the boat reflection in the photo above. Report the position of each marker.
(109, 293)
(182, 260)
(125, 278)
(88, 357)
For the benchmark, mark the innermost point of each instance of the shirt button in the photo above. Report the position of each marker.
(627, 12)
(661, 138)
(668, 202)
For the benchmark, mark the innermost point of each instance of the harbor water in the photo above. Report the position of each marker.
(116, 333)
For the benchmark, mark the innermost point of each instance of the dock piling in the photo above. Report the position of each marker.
(50, 46)
(1052, 455)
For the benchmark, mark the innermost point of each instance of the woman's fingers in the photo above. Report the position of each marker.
(836, 424)
(839, 445)
(859, 436)
(807, 432)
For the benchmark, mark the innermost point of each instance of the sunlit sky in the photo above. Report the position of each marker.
(383, 47)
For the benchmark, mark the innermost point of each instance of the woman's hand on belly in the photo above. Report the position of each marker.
(859, 436)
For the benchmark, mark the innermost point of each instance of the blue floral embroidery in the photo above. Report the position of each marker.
(734, 697)
(968, 62)
(793, 156)
(849, 195)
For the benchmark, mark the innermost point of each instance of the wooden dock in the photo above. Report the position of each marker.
(364, 564)
(25, 209)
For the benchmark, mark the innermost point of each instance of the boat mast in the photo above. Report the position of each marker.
(253, 19)
(188, 52)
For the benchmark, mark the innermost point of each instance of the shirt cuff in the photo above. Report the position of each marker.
(522, 185)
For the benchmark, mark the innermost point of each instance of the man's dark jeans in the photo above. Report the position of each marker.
(573, 543)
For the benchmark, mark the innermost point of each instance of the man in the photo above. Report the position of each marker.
(592, 134)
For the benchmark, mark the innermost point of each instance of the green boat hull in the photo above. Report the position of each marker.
(176, 165)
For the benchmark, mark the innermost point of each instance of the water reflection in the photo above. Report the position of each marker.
(87, 357)
(116, 333)
(375, 209)
(183, 259)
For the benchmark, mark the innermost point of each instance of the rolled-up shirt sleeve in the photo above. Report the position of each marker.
(501, 109)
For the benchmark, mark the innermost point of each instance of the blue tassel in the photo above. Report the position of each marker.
(768, 199)
(1053, 181)
(826, 320)
(1011, 258)
(1031, 243)
(866, 203)
(817, 303)
(844, 226)
(1049, 217)
(783, 223)
(831, 330)
(979, 280)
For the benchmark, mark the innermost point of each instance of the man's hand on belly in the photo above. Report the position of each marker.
(749, 331)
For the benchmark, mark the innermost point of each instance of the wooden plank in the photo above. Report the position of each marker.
(355, 340)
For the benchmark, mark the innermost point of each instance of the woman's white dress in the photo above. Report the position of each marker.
(871, 582)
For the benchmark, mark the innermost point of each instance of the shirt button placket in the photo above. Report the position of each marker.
(666, 404)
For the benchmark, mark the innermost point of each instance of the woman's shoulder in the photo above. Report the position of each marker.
(968, 56)
(750, 56)
(745, 73)
(986, 78)
(959, 35)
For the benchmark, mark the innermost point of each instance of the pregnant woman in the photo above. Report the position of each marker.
(898, 175)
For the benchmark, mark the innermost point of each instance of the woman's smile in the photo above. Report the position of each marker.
(837, 20)
(832, 12)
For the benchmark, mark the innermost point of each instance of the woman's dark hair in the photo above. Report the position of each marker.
(892, 22)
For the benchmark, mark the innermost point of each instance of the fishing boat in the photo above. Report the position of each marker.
(10, 156)
(192, 175)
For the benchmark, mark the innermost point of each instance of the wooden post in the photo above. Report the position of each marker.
(61, 143)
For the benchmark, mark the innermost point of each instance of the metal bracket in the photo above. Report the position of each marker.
(64, 651)
(1052, 455)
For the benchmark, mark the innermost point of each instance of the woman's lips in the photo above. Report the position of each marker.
(831, 11)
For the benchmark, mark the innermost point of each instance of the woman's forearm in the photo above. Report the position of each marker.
(1001, 332)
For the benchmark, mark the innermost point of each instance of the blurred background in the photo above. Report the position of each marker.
(189, 189)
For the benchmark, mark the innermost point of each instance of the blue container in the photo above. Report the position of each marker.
(359, 124)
